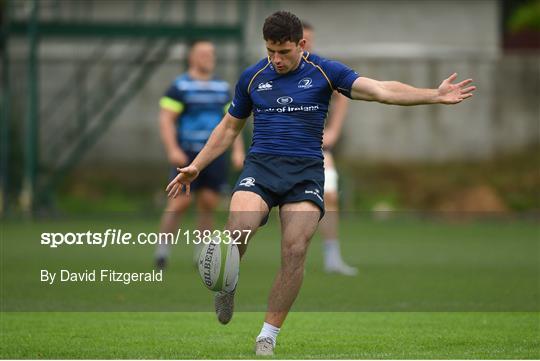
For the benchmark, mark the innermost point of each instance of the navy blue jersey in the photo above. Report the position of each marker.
(289, 110)
(200, 106)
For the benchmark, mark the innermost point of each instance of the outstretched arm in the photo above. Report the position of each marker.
(221, 138)
(393, 92)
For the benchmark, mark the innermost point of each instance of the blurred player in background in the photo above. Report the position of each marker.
(288, 93)
(329, 225)
(190, 110)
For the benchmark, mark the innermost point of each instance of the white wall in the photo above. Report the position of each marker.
(418, 41)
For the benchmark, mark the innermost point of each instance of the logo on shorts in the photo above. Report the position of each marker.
(247, 182)
(315, 192)
(284, 100)
(305, 83)
(264, 86)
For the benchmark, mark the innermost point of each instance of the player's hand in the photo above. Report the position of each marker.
(329, 139)
(237, 158)
(454, 93)
(183, 180)
(178, 158)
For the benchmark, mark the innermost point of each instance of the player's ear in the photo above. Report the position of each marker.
(302, 43)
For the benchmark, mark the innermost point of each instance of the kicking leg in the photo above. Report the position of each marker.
(247, 210)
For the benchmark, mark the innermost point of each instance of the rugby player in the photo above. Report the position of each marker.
(288, 93)
(190, 109)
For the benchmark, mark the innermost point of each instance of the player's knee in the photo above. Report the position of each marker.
(175, 210)
(294, 253)
(244, 221)
(177, 206)
(241, 231)
(208, 200)
(206, 207)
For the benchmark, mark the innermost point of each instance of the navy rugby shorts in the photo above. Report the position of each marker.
(283, 179)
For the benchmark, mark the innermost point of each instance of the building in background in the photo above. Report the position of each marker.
(416, 41)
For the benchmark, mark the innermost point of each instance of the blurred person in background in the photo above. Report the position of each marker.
(190, 110)
(333, 261)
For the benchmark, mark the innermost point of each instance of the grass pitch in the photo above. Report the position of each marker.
(427, 289)
(378, 335)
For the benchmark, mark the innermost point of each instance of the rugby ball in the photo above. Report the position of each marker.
(219, 265)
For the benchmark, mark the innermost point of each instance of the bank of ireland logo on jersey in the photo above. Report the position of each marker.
(264, 86)
(284, 100)
(247, 182)
(305, 83)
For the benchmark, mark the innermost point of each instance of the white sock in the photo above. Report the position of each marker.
(162, 250)
(269, 331)
(332, 252)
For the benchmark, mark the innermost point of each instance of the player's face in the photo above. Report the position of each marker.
(285, 56)
(203, 57)
(308, 37)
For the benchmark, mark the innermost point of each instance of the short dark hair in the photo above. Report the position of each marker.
(191, 44)
(283, 26)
